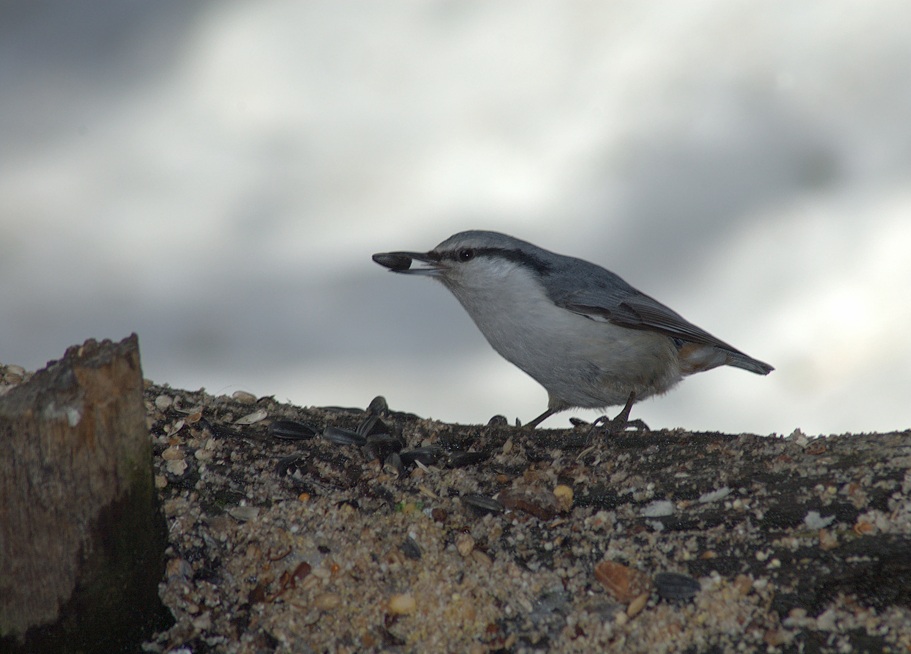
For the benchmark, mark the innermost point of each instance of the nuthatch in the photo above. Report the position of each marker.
(589, 338)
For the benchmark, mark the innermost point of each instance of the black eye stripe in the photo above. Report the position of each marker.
(517, 256)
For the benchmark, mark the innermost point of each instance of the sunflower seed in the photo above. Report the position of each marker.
(380, 446)
(426, 456)
(676, 586)
(411, 549)
(339, 436)
(372, 425)
(393, 463)
(288, 465)
(481, 503)
(386, 440)
(393, 260)
(292, 430)
(378, 406)
(462, 459)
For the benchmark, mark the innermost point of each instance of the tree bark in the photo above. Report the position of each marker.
(81, 532)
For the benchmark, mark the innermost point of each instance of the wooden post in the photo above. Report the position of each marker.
(81, 533)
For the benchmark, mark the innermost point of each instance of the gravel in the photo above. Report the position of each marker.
(489, 537)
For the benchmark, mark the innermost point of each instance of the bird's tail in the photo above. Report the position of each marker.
(741, 360)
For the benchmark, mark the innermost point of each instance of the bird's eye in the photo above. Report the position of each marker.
(466, 254)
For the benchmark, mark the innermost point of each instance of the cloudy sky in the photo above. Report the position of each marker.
(215, 176)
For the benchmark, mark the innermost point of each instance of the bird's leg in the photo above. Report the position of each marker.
(541, 418)
(621, 422)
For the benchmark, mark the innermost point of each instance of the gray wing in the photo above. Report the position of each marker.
(601, 295)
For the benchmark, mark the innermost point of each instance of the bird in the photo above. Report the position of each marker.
(587, 336)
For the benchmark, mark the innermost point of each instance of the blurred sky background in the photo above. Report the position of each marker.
(216, 175)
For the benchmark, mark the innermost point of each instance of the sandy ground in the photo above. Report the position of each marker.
(416, 536)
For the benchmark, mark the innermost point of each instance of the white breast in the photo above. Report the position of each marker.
(581, 362)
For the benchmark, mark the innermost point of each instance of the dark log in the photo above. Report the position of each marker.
(81, 533)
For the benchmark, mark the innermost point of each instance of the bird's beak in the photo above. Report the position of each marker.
(400, 262)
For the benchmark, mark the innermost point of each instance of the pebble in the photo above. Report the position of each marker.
(403, 604)
(173, 453)
(15, 370)
(464, 544)
(715, 495)
(635, 607)
(775, 637)
(252, 418)
(178, 568)
(564, 495)
(482, 558)
(863, 527)
(828, 540)
(826, 621)
(204, 454)
(621, 581)
(798, 437)
(797, 613)
(244, 513)
(657, 509)
(539, 502)
(243, 397)
(203, 622)
(743, 584)
(327, 601)
(813, 520)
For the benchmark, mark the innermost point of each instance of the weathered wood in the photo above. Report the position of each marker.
(81, 534)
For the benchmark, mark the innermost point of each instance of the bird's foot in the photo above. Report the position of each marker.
(534, 423)
(621, 423)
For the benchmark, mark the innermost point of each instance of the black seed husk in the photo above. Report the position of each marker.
(462, 459)
(427, 456)
(482, 503)
(393, 260)
(378, 406)
(292, 430)
(676, 586)
(339, 436)
(411, 549)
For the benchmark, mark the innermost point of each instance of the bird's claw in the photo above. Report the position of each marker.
(619, 425)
